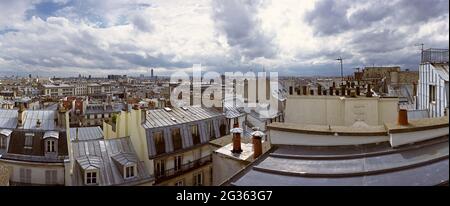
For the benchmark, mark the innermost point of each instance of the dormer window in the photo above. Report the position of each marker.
(91, 177)
(51, 142)
(126, 163)
(130, 171)
(51, 146)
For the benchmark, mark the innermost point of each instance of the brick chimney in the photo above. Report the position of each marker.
(257, 143)
(236, 140)
(20, 117)
(403, 117)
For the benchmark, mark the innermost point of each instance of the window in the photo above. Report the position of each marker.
(179, 183)
(198, 179)
(51, 146)
(29, 140)
(176, 138)
(178, 160)
(159, 142)
(91, 178)
(195, 134)
(211, 131)
(432, 93)
(160, 168)
(25, 175)
(2, 142)
(51, 177)
(129, 171)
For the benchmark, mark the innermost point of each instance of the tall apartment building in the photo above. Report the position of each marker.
(172, 142)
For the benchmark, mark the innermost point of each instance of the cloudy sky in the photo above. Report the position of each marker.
(293, 37)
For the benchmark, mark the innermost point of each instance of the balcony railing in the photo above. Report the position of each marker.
(435, 56)
(183, 169)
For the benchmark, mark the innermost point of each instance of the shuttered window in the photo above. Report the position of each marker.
(51, 177)
(25, 175)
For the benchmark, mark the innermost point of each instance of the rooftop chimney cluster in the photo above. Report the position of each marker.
(256, 140)
(347, 88)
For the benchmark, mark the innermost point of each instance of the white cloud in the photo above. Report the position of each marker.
(289, 36)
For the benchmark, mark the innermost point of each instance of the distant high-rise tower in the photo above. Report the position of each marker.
(151, 73)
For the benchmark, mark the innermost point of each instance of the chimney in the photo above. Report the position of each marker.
(331, 91)
(414, 88)
(236, 140)
(319, 90)
(352, 84)
(38, 123)
(304, 90)
(358, 91)
(403, 117)
(257, 143)
(334, 84)
(76, 134)
(20, 112)
(143, 115)
(369, 92)
(62, 116)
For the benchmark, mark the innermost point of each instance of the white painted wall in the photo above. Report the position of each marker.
(428, 76)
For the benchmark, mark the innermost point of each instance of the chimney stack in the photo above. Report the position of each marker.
(403, 117)
(143, 115)
(21, 112)
(369, 91)
(334, 84)
(236, 140)
(257, 143)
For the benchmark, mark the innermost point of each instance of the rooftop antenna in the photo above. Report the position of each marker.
(342, 69)
(421, 49)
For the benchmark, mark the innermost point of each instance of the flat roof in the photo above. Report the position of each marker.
(423, 163)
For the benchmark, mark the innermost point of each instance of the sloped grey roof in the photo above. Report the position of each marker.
(8, 118)
(162, 118)
(101, 154)
(46, 117)
(89, 162)
(86, 133)
(125, 159)
(5, 132)
(52, 134)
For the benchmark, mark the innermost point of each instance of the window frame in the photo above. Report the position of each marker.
(91, 175)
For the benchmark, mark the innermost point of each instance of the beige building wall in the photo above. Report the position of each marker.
(37, 171)
(341, 111)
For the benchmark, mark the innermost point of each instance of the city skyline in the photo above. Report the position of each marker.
(298, 38)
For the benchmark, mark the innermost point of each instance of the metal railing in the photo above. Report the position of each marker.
(183, 168)
(435, 56)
